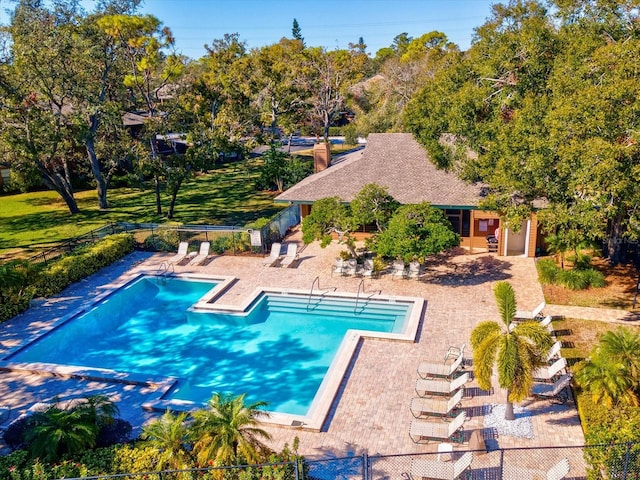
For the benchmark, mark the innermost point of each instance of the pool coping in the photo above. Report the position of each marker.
(162, 386)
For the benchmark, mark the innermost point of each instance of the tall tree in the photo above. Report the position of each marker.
(381, 100)
(514, 350)
(150, 78)
(548, 106)
(275, 84)
(37, 85)
(296, 31)
(327, 77)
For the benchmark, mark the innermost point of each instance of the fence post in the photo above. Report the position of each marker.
(365, 466)
(501, 463)
(44, 258)
(626, 461)
(233, 239)
(296, 471)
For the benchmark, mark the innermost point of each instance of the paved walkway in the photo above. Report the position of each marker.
(371, 412)
(610, 315)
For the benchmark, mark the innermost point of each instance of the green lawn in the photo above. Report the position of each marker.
(224, 196)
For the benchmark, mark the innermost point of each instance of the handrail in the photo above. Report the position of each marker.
(164, 266)
(361, 284)
(317, 279)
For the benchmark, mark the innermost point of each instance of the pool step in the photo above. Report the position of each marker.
(337, 307)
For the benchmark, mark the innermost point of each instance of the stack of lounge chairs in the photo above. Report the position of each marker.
(437, 409)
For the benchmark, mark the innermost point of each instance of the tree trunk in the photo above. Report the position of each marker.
(101, 183)
(156, 180)
(615, 245)
(508, 411)
(174, 195)
(61, 184)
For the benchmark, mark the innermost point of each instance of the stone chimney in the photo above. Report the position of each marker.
(321, 156)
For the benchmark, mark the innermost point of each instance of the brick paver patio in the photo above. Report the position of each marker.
(371, 412)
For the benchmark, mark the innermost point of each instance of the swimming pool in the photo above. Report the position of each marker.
(278, 350)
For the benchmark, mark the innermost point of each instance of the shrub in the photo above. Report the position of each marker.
(576, 279)
(572, 279)
(594, 278)
(547, 271)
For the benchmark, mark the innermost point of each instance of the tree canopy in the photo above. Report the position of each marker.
(547, 104)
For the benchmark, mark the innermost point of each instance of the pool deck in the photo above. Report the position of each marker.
(371, 412)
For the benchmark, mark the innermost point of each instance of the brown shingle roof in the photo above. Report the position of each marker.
(392, 160)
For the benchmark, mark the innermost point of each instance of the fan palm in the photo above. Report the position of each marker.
(612, 373)
(514, 351)
(227, 431)
(169, 434)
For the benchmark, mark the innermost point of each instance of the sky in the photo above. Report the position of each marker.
(328, 23)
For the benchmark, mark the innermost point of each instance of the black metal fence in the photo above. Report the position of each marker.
(230, 240)
(611, 462)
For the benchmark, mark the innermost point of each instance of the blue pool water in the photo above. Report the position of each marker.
(279, 352)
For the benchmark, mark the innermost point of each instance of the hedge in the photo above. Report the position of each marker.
(82, 263)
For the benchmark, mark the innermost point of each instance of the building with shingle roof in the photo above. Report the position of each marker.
(399, 163)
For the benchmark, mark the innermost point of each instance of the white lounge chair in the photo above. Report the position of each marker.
(183, 249)
(432, 468)
(203, 253)
(274, 255)
(446, 369)
(436, 406)
(557, 472)
(554, 351)
(291, 255)
(440, 386)
(550, 372)
(546, 322)
(424, 431)
(555, 391)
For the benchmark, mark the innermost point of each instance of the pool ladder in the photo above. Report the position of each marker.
(163, 269)
(361, 289)
(313, 284)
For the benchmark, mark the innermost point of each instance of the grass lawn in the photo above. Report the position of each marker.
(224, 196)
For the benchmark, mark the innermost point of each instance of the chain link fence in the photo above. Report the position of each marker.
(596, 462)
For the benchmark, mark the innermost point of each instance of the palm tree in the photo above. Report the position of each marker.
(514, 350)
(56, 431)
(170, 435)
(100, 408)
(227, 431)
(612, 373)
